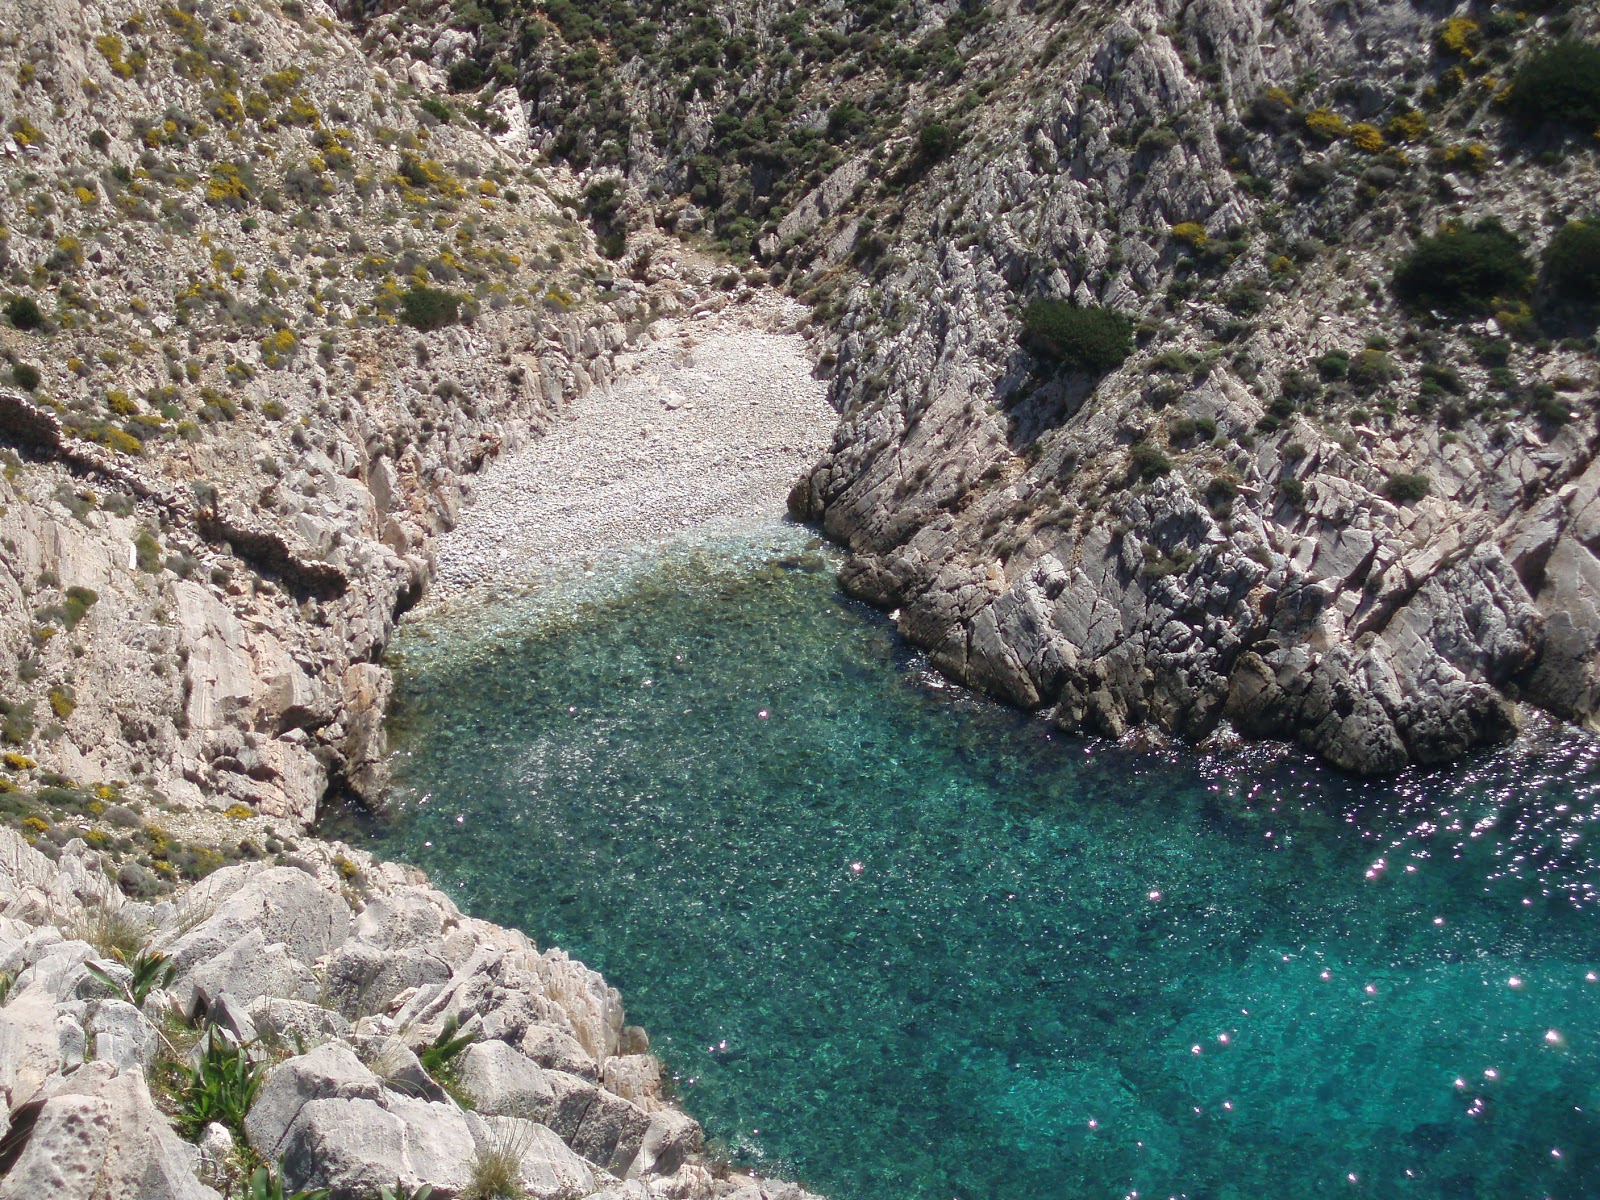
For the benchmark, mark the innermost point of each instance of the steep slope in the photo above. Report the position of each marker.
(268, 308)
(1298, 498)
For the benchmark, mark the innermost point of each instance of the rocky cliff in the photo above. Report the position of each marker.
(1312, 497)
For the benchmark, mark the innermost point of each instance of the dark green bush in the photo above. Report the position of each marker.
(429, 308)
(25, 376)
(1561, 85)
(24, 313)
(935, 141)
(1405, 489)
(437, 109)
(1147, 461)
(466, 76)
(1333, 365)
(1572, 263)
(1086, 339)
(1464, 271)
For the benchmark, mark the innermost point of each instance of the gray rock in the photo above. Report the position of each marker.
(550, 1170)
(503, 1081)
(120, 1034)
(356, 1146)
(268, 904)
(247, 971)
(605, 1129)
(296, 1024)
(99, 1135)
(328, 1072)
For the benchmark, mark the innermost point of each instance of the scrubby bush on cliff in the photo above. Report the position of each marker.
(1406, 489)
(24, 313)
(429, 308)
(1561, 85)
(1085, 339)
(1572, 264)
(1464, 271)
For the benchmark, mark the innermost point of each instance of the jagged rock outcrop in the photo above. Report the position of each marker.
(88, 1079)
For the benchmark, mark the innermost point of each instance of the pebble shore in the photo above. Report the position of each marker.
(703, 432)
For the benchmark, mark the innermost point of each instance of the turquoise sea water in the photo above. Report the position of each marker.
(899, 942)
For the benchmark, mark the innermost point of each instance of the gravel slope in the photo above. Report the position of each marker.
(704, 432)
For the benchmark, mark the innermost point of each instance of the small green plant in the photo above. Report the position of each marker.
(25, 376)
(8, 980)
(1088, 339)
(400, 1192)
(438, 1059)
(1147, 461)
(267, 1184)
(935, 141)
(497, 1169)
(1464, 271)
(428, 308)
(1407, 489)
(147, 551)
(221, 1088)
(151, 970)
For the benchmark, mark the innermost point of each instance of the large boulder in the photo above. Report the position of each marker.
(548, 1168)
(328, 1072)
(248, 970)
(276, 904)
(502, 1081)
(353, 1147)
(99, 1135)
(120, 1034)
(296, 1023)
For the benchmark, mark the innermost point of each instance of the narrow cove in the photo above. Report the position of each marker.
(899, 941)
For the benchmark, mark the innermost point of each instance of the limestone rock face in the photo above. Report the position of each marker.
(352, 1108)
(99, 1134)
(502, 1081)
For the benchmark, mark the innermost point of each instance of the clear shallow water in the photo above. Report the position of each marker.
(900, 942)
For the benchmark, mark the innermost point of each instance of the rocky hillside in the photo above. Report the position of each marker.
(267, 309)
(1200, 363)
(333, 1015)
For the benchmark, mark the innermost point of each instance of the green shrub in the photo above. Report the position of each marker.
(25, 376)
(147, 551)
(1147, 461)
(1086, 339)
(935, 141)
(1572, 263)
(1464, 271)
(1406, 489)
(1561, 85)
(437, 109)
(24, 312)
(466, 76)
(429, 308)
(1333, 365)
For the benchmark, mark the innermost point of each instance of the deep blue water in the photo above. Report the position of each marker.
(900, 942)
